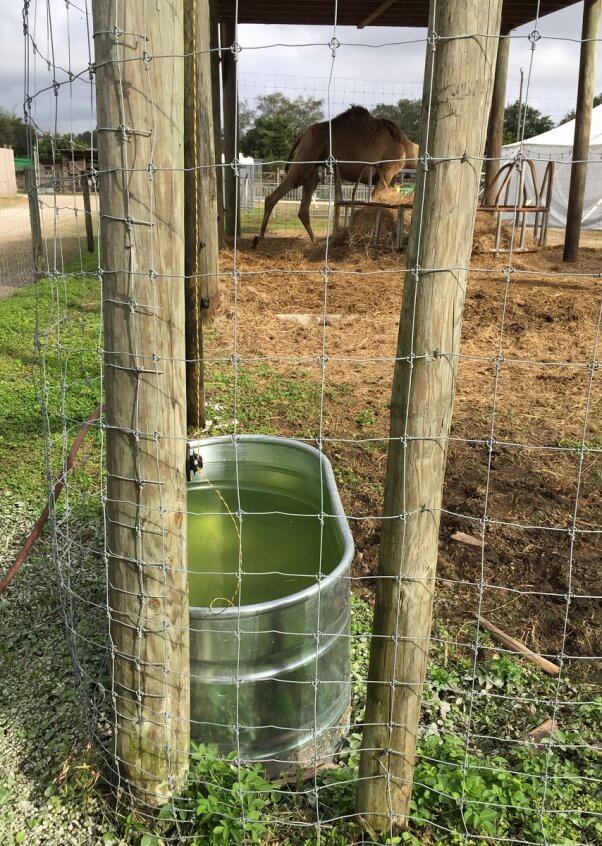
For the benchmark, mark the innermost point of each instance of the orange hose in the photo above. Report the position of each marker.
(60, 484)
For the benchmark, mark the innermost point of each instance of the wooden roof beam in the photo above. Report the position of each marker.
(375, 13)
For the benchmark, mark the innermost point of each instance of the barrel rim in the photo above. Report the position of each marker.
(204, 612)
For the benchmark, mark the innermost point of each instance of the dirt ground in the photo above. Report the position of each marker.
(62, 229)
(546, 403)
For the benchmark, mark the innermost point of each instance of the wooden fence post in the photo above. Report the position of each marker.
(216, 86)
(195, 376)
(35, 221)
(209, 247)
(140, 106)
(201, 201)
(87, 212)
(583, 124)
(495, 128)
(461, 72)
(229, 65)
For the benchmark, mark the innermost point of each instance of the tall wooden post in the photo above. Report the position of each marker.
(140, 105)
(87, 212)
(229, 64)
(209, 247)
(216, 90)
(495, 128)
(200, 223)
(461, 72)
(583, 124)
(35, 221)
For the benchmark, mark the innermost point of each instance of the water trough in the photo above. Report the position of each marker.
(269, 629)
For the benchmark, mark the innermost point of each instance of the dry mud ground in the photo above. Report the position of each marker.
(63, 233)
(545, 405)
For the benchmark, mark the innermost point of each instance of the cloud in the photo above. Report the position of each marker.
(57, 45)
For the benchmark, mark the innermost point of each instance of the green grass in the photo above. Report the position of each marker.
(285, 217)
(64, 314)
(495, 785)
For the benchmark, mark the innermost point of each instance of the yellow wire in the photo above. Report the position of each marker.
(229, 602)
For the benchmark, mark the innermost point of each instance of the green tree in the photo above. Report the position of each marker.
(270, 139)
(56, 147)
(405, 113)
(13, 132)
(246, 117)
(277, 123)
(571, 115)
(532, 119)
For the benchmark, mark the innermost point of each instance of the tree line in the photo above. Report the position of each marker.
(13, 133)
(268, 131)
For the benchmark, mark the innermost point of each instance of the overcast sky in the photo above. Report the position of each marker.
(362, 74)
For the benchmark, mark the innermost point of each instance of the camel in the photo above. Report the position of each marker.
(355, 140)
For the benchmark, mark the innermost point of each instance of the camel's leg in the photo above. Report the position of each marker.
(288, 183)
(338, 196)
(386, 172)
(309, 186)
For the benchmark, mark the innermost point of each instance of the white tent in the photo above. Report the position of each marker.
(557, 145)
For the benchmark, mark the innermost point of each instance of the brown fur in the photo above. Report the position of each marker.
(358, 139)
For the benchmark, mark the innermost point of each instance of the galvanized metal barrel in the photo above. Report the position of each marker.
(270, 680)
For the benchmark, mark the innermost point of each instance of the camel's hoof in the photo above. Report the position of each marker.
(255, 242)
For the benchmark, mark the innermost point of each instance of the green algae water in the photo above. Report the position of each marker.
(254, 654)
(280, 552)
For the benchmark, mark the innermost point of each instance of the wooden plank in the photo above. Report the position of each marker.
(469, 540)
(376, 13)
(87, 212)
(495, 129)
(519, 647)
(422, 399)
(195, 376)
(583, 125)
(230, 102)
(202, 246)
(208, 200)
(35, 220)
(141, 186)
(216, 89)
(542, 732)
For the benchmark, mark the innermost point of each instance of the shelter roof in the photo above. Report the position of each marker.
(399, 13)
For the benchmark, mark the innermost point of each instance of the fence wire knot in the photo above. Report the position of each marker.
(519, 158)
(432, 40)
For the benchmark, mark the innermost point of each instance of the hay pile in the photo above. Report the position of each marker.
(363, 223)
(484, 234)
(362, 227)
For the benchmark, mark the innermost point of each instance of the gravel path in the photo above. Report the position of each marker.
(41, 730)
(62, 229)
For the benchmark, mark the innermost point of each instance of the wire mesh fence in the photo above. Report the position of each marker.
(207, 577)
(346, 91)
